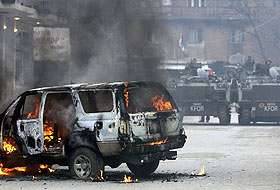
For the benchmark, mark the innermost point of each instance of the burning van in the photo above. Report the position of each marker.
(88, 126)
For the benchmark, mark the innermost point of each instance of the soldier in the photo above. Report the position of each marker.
(249, 65)
(202, 118)
(267, 66)
(190, 69)
(263, 69)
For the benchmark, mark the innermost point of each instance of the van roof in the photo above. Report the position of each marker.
(109, 85)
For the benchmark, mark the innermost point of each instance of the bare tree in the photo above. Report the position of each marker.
(244, 9)
(263, 18)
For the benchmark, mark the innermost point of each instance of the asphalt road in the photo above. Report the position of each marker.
(234, 157)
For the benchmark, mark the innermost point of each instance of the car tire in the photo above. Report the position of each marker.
(84, 163)
(144, 169)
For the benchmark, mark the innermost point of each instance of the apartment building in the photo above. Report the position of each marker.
(18, 62)
(203, 29)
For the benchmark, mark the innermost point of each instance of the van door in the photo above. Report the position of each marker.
(100, 116)
(58, 118)
(7, 134)
(29, 123)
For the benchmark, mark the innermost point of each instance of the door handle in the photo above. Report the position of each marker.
(21, 127)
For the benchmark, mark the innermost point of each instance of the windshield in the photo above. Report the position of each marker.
(149, 99)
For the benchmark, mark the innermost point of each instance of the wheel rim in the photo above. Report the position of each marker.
(82, 166)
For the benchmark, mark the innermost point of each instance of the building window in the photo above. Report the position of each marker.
(196, 3)
(195, 36)
(151, 34)
(276, 3)
(236, 1)
(166, 2)
(237, 36)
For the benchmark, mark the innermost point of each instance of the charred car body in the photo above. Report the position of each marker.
(87, 126)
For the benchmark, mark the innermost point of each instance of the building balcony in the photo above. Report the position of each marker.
(19, 8)
(28, 13)
(179, 9)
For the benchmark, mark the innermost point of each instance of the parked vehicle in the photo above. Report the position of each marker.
(259, 100)
(197, 96)
(88, 126)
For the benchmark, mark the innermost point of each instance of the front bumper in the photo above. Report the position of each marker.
(147, 152)
(171, 143)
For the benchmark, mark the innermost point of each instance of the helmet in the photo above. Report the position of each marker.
(268, 62)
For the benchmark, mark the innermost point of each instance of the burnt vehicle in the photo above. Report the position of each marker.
(203, 96)
(88, 126)
(259, 99)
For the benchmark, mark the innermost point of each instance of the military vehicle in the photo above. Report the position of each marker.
(259, 98)
(204, 96)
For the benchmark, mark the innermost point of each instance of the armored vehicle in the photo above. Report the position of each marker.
(259, 99)
(203, 96)
(87, 126)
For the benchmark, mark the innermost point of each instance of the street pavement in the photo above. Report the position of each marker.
(234, 157)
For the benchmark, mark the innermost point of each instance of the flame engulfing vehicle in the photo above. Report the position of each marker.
(87, 126)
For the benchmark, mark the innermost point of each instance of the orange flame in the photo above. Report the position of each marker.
(5, 171)
(201, 172)
(34, 115)
(159, 104)
(99, 178)
(8, 147)
(48, 131)
(2, 172)
(126, 179)
(155, 143)
(42, 166)
(126, 94)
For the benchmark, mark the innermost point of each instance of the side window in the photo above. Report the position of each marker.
(96, 101)
(30, 107)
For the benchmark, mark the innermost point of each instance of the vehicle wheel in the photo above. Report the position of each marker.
(143, 169)
(84, 163)
(224, 116)
(244, 117)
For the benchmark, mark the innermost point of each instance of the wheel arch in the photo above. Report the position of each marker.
(79, 140)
